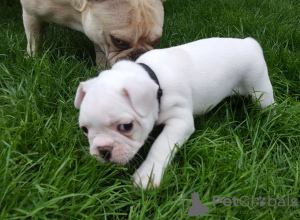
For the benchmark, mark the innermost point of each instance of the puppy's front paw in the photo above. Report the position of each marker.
(148, 176)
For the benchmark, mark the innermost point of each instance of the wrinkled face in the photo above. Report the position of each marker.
(124, 30)
(114, 128)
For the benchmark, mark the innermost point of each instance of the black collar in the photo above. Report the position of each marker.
(155, 79)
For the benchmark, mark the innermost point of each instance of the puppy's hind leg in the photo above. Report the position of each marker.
(261, 90)
(34, 31)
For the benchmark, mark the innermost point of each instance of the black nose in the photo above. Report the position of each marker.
(105, 153)
(137, 53)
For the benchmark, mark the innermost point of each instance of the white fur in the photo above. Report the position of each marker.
(194, 77)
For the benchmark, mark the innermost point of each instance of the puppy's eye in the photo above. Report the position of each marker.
(85, 130)
(125, 127)
(155, 42)
(123, 45)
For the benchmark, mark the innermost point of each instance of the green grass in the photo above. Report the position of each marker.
(46, 171)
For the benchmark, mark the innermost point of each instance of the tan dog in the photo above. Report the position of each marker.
(122, 29)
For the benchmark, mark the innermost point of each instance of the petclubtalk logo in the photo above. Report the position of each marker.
(247, 201)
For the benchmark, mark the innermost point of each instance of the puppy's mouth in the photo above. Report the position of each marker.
(105, 155)
(120, 156)
(119, 152)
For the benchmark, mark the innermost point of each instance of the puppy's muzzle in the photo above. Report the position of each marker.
(105, 153)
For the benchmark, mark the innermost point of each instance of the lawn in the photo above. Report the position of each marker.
(237, 150)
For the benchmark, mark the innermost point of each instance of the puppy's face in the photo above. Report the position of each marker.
(116, 114)
(124, 29)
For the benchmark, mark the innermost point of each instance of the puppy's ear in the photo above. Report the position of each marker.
(79, 5)
(81, 90)
(141, 93)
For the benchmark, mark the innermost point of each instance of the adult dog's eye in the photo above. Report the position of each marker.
(125, 127)
(123, 45)
(85, 130)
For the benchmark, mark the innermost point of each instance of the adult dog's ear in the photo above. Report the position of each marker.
(81, 91)
(141, 93)
(79, 5)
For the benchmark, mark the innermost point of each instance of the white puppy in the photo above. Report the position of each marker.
(119, 108)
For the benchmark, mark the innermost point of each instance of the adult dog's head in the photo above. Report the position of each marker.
(124, 29)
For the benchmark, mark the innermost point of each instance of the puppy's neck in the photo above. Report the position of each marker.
(155, 79)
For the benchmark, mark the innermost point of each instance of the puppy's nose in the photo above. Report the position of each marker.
(105, 153)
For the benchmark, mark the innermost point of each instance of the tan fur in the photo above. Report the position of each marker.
(143, 13)
(79, 5)
(137, 22)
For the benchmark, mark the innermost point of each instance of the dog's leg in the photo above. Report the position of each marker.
(101, 60)
(175, 132)
(265, 98)
(261, 89)
(264, 92)
(34, 31)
